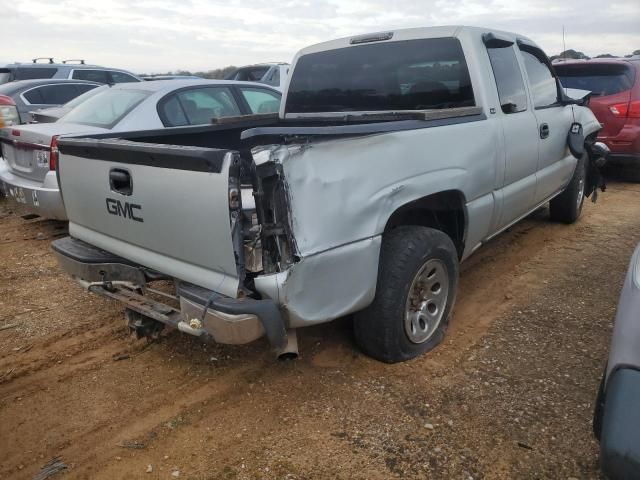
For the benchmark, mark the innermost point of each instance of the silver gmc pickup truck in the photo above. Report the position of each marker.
(394, 157)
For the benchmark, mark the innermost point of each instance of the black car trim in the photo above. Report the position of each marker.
(360, 128)
(195, 159)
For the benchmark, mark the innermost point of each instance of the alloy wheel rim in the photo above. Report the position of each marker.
(426, 301)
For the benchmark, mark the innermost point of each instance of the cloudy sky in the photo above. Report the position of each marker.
(161, 35)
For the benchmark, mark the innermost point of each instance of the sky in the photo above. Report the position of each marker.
(153, 36)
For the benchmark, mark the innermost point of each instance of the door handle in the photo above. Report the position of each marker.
(120, 181)
(544, 130)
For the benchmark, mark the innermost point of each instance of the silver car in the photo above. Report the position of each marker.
(617, 418)
(68, 69)
(29, 152)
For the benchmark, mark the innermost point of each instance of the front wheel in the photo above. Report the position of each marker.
(567, 206)
(416, 289)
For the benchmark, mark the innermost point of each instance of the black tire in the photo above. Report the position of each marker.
(380, 328)
(567, 206)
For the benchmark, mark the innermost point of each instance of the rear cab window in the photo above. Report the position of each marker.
(601, 79)
(410, 75)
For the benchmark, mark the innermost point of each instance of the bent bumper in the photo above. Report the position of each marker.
(202, 312)
(42, 198)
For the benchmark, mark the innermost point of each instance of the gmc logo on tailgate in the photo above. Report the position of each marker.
(126, 210)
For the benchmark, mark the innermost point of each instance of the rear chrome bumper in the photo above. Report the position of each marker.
(42, 198)
(201, 312)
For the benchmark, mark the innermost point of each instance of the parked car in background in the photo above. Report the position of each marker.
(615, 101)
(617, 416)
(151, 78)
(21, 97)
(66, 70)
(29, 152)
(274, 74)
(53, 114)
(394, 157)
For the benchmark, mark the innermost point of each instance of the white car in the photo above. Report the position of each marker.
(29, 152)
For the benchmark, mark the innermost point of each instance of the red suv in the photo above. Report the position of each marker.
(615, 101)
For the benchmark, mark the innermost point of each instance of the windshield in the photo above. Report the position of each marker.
(85, 96)
(409, 75)
(106, 108)
(599, 79)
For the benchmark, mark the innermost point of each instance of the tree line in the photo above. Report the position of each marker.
(220, 73)
(576, 55)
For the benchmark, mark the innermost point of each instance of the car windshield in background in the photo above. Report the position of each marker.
(85, 96)
(106, 108)
(600, 79)
(409, 75)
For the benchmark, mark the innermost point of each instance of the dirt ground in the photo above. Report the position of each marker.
(509, 394)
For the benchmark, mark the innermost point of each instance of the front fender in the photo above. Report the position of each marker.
(587, 119)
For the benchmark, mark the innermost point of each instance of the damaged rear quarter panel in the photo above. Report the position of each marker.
(342, 193)
(345, 190)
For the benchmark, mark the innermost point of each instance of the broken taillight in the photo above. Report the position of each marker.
(53, 153)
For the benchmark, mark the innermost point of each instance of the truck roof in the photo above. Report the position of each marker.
(410, 34)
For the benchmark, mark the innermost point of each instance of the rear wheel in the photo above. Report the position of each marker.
(417, 282)
(567, 206)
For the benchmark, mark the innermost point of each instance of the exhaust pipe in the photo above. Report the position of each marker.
(290, 349)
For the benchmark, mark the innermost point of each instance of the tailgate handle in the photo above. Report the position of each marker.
(120, 181)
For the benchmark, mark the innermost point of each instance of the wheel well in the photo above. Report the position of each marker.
(444, 211)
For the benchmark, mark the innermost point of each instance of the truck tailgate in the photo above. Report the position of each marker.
(165, 207)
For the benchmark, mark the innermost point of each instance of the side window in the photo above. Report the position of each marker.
(261, 100)
(198, 106)
(513, 97)
(35, 72)
(543, 84)
(58, 94)
(34, 96)
(99, 76)
(171, 112)
(83, 87)
(121, 77)
(204, 104)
